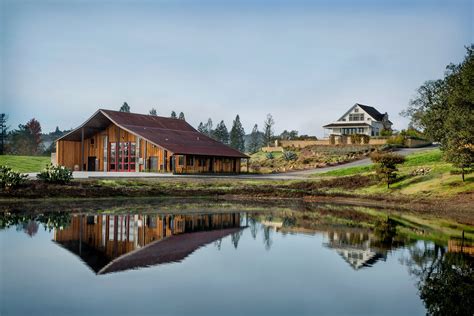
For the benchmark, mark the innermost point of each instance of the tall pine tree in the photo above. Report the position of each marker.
(202, 128)
(268, 129)
(254, 143)
(221, 133)
(3, 132)
(208, 126)
(125, 107)
(237, 134)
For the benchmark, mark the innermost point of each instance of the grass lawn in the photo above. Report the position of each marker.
(345, 171)
(437, 182)
(25, 163)
(424, 158)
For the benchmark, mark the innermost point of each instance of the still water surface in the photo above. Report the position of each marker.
(225, 262)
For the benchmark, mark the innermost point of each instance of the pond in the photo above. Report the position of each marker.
(214, 258)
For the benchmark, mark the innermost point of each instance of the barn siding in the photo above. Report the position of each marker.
(69, 154)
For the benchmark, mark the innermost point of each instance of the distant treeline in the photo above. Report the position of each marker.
(27, 139)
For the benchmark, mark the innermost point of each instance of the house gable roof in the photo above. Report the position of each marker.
(371, 111)
(174, 135)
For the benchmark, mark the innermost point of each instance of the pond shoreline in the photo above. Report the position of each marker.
(457, 208)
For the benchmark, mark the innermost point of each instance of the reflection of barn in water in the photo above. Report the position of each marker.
(461, 245)
(106, 242)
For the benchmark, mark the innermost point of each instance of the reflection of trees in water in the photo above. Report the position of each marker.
(267, 230)
(445, 280)
(267, 238)
(29, 222)
(253, 227)
(218, 244)
(235, 238)
(289, 221)
(386, 237)
(30, 228)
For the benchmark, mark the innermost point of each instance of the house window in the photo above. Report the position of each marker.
(181, 161)
(356, 110)
(361, 130)
(350, 131)
(356, 117)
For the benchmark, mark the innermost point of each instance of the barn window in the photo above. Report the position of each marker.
(201, 162)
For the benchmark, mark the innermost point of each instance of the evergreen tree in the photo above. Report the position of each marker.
(254, 143)
(173, 114)
(26, 140)
(237, 134)
(34, 127)
(221, 133)
(153, 112)
(3, 132)
(125, 107)
(268, 129)
(21, 141)
(202, 128)
(208, 126)
(181, 116)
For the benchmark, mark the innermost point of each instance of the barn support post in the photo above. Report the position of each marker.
(185, 161)
(117, 148)
(173, 164)
(82, 149)
(137, 153)
(145, 156)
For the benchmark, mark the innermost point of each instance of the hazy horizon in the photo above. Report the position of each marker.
(305, 62)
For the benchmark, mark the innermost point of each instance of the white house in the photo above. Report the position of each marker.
(360, 119)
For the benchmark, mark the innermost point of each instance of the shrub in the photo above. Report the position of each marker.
(355, 138)
(365, 139)
(10, 178)
(386, 132)
(255, 167)
(386, 165)
(55, 174)
(270, 155)
(359, 139)
(290, 155)
(398, 140)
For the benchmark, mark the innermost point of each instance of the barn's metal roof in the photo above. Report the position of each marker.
(174, 135)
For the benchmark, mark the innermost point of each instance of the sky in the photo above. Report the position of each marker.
(305, 62)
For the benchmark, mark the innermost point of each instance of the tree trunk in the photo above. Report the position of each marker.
(462, 173)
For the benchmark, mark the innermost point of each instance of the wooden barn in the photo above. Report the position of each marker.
(120, 141)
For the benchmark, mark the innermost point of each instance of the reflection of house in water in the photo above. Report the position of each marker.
(354, 247)
(103, 240)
